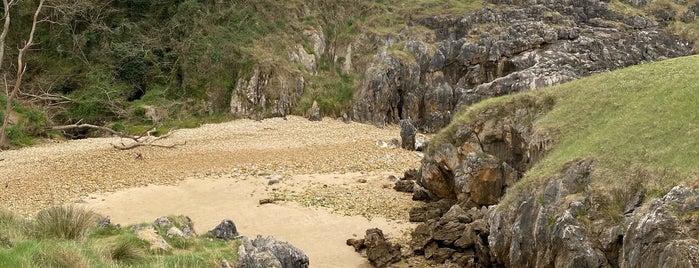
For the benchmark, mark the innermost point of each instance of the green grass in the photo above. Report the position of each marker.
(74, 242)
(639, 124)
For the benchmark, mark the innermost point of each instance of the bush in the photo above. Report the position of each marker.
(64, 222)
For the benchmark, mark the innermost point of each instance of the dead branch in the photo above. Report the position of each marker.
(123, 146)
(90, 126)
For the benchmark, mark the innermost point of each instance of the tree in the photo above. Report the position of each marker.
(20, 63)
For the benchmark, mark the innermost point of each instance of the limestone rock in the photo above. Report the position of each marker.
(225, 230)
(270, 253)
(665, 235)
(407, 135)
(405, 186)
(526, 45)
(314, 113)
(157, 242)
(380, 252)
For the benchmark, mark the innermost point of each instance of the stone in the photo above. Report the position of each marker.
(407, 135)
(175, 232)
(405, 186)
(379, 251)
(157, 243)
(163, 222)
(270, 252)
(357, 244)
(314, 113)
(225, 230)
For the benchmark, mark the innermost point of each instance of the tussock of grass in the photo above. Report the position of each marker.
(127, 251)
(65, 222)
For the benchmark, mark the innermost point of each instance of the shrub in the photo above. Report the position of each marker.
(64, 222)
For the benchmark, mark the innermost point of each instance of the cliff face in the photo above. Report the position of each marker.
(555, 225)
(505, 47)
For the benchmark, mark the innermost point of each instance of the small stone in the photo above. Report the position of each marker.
(266, 201)
(361, 180)
(272, 181)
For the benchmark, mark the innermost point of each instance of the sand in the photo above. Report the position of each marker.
(332, 181)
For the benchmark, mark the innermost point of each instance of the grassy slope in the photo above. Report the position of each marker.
(639, 124)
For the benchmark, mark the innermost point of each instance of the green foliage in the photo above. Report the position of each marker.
(334, 94)
(64, 222)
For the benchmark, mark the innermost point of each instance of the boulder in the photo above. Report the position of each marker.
(225, 230)
(379, 251)
(270, 253)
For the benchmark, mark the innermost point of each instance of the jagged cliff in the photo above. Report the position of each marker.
(505, 47)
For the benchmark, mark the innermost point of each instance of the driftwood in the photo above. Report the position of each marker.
(145, 139)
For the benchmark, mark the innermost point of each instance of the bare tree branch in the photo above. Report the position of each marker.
(21, 68)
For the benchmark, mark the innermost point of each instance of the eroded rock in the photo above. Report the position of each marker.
(270, 253)
(379, 251)
(225, 230)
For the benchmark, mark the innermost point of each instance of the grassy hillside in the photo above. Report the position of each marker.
(639, 124)
(69, 237)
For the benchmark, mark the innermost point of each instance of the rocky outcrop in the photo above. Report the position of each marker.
(407, 135)
(510, 47)
(458, 237)
(266, 91)
(270, 253)
(533, 232)
(666, 234)
(488, 154)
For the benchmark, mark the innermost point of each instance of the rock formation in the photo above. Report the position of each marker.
(508, 46)
(270, 253)
(469, 224)
(407, 134)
